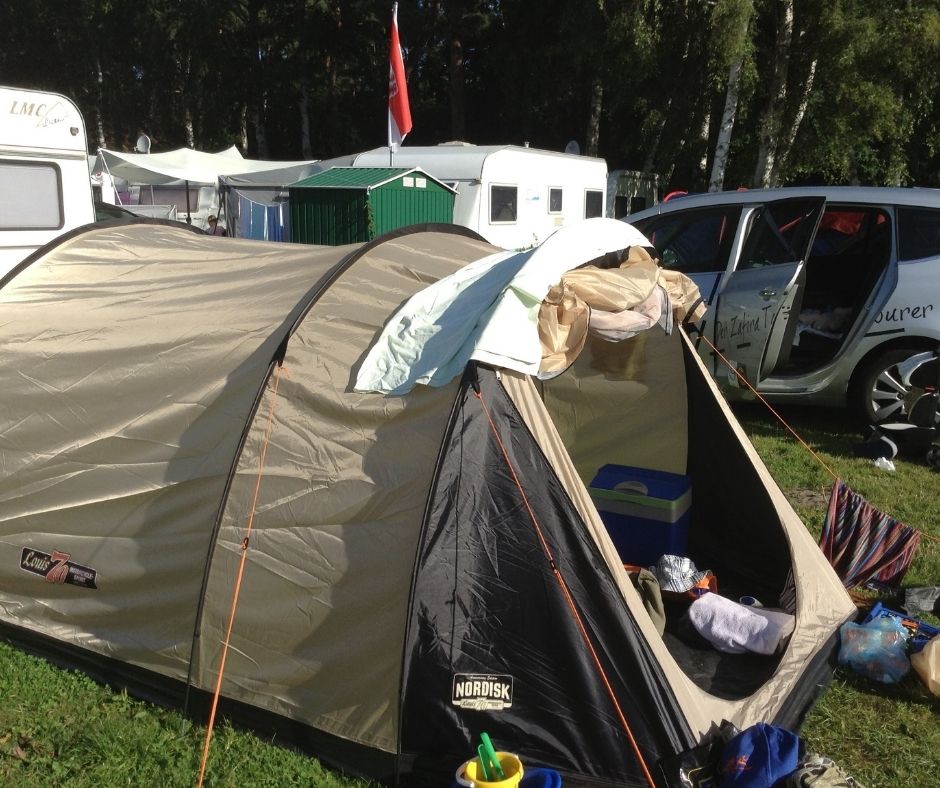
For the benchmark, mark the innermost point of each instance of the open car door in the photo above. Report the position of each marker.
(757, 308)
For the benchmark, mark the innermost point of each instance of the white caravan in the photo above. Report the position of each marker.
(44, 184)
(514, 196)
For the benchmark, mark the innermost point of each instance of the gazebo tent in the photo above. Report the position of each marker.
(184, 164)
(255, 203)
(188, 167)
(163, 389)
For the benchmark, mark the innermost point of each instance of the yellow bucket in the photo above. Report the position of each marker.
(471, 775)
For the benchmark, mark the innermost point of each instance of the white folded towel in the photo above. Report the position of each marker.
(736, 629)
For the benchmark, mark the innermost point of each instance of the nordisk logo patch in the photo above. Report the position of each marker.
(57, 568)
(484, 692)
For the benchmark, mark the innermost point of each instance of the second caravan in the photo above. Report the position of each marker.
(514, 196)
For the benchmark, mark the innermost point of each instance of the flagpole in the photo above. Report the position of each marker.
(391, 56)
(399, 111)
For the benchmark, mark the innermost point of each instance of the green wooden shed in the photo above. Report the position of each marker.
(344, 205)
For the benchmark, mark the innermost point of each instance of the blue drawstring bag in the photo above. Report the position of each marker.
(759, 757)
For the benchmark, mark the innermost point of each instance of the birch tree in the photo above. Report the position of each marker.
(738, 22)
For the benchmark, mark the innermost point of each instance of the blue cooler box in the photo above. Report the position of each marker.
(646, 512)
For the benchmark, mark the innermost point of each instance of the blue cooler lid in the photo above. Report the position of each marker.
(640, 483)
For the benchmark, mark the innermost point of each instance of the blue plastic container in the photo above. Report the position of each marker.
(920, 631)
(646, 512)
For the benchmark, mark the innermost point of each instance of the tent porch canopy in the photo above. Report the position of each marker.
(183, 165)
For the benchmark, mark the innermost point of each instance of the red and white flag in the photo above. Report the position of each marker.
(399, 113)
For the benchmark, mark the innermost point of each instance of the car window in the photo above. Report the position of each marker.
(853, 232)
(694, 241)
(845, 230)
(918, 233)
(105, 211)
(778, 230)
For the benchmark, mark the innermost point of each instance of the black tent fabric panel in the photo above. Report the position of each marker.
(743, 534)
(492, 644)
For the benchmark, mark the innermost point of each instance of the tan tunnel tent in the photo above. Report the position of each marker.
(421, 567)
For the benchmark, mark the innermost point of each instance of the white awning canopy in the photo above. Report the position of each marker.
(183, 164)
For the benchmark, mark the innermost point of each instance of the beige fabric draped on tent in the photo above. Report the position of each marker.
(613, 304)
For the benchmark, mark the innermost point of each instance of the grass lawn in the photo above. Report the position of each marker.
(884, 735)
(58, 728)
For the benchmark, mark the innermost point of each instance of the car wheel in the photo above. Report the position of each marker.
(933, 456)
(881, 394)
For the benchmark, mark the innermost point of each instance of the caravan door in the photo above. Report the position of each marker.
(758, 303)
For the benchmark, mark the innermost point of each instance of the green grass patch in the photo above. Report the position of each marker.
(59, 728)
(884, 735)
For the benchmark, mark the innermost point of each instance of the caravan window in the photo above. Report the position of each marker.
(555, 200)
(593, 203)
(198, 196)
(503, 202)
(30, 196)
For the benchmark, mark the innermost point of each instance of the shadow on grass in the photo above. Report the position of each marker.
(908, 690)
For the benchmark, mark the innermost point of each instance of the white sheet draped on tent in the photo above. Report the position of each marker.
(488, 311)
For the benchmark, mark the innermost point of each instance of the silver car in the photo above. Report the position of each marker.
(816, 295)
